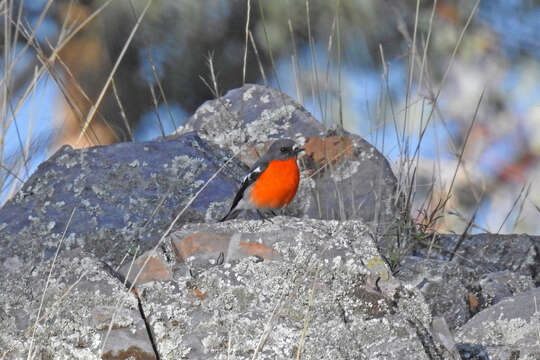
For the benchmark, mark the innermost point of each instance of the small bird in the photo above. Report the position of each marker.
(271, 183)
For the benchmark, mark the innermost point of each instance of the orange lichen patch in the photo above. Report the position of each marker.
(332, 148)
(155, 269)
(200, 243)
(257, 249)
(198, 293)
(473, 303)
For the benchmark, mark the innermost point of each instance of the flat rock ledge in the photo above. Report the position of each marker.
(272, 290)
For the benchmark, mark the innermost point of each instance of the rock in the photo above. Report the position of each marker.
(79, 303)
(486, 269)
(457, 292)
(488, 253)
(347, 178)
(208, 247)
(494, 287)
(507, 330)
(442, 334)
(472, 352)
(150, 266)
(317, 278)
(344, 176)
(244, 288)
(251, 114)
(125, 195)
(445, 286)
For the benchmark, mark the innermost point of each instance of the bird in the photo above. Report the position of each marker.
(271, 183)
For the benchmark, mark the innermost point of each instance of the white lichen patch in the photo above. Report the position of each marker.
(367, 155)
(248, 94)
(206, 108)
(265, 99)
(188, 168)
(500, 332)
(272, 115)
(13, 263)
(345, 170)
(67, 161)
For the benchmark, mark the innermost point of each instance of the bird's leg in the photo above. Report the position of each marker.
(273, 213)
(264, 218)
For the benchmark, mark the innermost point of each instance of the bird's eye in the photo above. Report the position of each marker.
(284, 149)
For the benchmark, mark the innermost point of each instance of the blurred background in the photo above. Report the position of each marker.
(449, 91)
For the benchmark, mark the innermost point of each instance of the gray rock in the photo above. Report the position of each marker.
(445, 286)
(356, 182)
(486, 269)
(441, 332)
(251, 114)
(487, 253)
(344, 177)
(116, 191)
(80, 302)
(322, 279)
(507, 330)
(231, 289)
(494, 287)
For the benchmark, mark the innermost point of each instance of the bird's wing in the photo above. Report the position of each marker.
(249, 179)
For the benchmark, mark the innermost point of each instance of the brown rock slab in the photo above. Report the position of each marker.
(151, 265)
(215, 248)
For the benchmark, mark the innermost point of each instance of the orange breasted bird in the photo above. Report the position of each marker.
(271, 183)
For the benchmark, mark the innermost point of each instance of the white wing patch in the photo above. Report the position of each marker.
(257, 170)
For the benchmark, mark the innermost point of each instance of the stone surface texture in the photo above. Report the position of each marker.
(344, 177)
(313, 281)
(68, 316)
(320, 281)
(124, 195)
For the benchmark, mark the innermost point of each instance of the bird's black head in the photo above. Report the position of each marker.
(283, 149)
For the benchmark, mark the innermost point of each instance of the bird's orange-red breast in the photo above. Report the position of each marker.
(271, 183)
(277, 185)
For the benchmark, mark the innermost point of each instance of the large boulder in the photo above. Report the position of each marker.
(81, 312)
(280, 288)
(344, 177)
(507, 330)
(251, 114)
(488, 253)
(313, 287)
(123, 196)
(226, 290)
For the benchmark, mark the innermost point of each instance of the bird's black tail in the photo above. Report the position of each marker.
(230, 215)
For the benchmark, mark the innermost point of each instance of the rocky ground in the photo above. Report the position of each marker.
(114, 252)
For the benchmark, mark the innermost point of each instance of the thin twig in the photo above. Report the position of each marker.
(246, 42)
